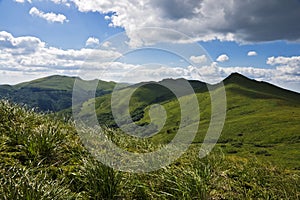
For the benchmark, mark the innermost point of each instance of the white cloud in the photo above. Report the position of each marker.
(252, 53)
(24, 58)
(92, 42)
(252, 72)
(23, 1)
(223, 58)
(230, 20)
(106, 44)
(208, 73)
(199, 59)
(20, 45)
(50, 17)
(65, 2)
(287, 65)
(30, 55)
(294, 60)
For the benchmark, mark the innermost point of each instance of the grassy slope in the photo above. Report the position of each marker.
(42, 158)
(53, 93)
(262, 119)
(263, 123)
(145, 94)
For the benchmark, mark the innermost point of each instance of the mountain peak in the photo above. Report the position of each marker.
(235, 77)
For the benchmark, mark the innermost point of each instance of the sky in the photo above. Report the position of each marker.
(141, 40)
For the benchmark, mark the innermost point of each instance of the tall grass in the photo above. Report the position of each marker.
(21, 183)
(100, 181)
(43, 158)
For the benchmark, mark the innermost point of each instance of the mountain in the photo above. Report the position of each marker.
(262, 119)
(53, 93)
(144, 95)
(256, 157)
(260, 89)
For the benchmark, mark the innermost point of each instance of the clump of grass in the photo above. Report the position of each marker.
(32, 142)
(32, 138)
(21, 183)
(100, 181)
(43, 158)
(238, 178)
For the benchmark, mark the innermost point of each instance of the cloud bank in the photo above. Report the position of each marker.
(202, 20)
(199, 59)
(29, 55)
(25, 58)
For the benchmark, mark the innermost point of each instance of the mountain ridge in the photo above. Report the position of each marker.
(56, 90)
(52, 93)
(261, 118)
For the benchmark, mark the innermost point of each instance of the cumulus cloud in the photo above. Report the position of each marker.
(223, 58)
(281, 60)
(32, 56)
(50, 17)
(25, 58)
(20, 45)
(199, 59)
(92, 42)
(252, 53)
(287, 65)
(231, 20)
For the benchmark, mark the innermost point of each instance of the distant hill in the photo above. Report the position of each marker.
(262, 119)
(146, 94)
(262, 89)
(53, 93)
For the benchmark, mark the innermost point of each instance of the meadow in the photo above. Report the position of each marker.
(43, 158)
(256, 157)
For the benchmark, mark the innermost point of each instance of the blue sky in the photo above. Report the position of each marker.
(258, 39)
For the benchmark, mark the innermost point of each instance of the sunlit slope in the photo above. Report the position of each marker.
(262, 119)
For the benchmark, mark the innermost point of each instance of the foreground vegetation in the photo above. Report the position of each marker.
(43, 158)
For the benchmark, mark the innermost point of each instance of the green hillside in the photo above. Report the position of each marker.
(145, 94)
(256, 157)
(42, 158)
(262, 119)
(53, 93)
(261, 88)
